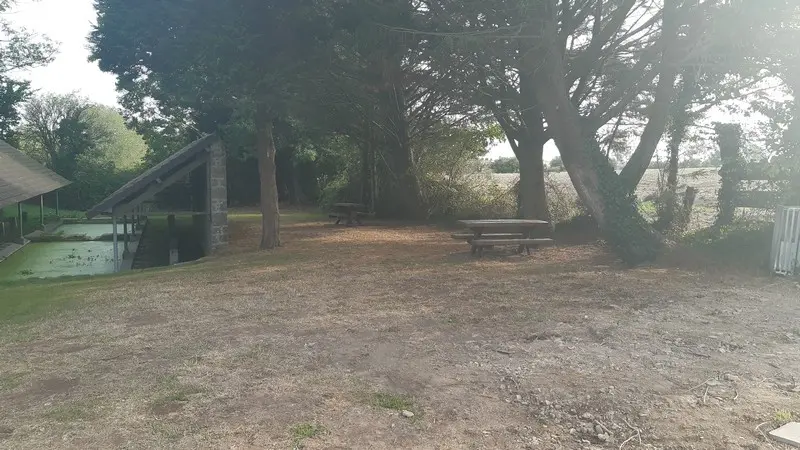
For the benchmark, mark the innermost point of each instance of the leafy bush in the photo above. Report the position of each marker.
(556, 164)
(470, 196)
(562, 201)
(744, 242)
(505, 165)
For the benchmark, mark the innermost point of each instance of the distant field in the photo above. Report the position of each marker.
(706, 181)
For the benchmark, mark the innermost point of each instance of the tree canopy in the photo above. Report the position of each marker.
(19, 50)
(88, 144)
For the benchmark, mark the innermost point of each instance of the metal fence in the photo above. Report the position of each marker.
(786, 240)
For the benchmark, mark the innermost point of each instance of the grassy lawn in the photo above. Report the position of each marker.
(32, 213)
(388, 336)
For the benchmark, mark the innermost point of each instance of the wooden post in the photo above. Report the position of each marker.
(115, 240)
(41, 211)
(19, 221)
(58, 211)
(174, 257)
(125, 250)
(729, 138)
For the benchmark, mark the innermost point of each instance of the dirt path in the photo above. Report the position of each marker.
(324, 343)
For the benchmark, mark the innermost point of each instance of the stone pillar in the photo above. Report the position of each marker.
(217, 188)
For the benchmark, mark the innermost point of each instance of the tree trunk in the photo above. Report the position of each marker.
(404, 197)
(270, 214)
(532, 192)
(680, 122)
(729, 139)
(598, 186)
(530, 150)
(367, 167)
(639, 162)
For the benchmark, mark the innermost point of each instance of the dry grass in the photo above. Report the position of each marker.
(304, 346)
(707, 182)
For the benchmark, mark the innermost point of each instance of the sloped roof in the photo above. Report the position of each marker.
(22, 177)
(158, 172)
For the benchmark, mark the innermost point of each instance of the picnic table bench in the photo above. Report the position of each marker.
(349, 212)
(523, 233)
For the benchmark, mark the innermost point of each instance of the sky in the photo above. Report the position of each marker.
(68, 22)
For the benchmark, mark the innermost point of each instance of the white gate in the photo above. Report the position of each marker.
(786, 240)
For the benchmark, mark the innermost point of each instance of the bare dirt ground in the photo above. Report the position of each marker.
(322, 344)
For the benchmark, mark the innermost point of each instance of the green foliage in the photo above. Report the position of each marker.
(31, 216)
(782, 417)
(12, 95)
(505, 165)
(742, 242)
(87, 144)
(562, 204)
(556, 164)
(112, 142)
(19, 48)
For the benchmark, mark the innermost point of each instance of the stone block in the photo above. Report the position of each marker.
(788, 434)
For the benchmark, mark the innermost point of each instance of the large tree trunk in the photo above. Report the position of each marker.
(270, 214)
(529, 152)
(369, 175)
(532, 192)
(598, 186)
(405, 200)
(658, 116)
(680, 122)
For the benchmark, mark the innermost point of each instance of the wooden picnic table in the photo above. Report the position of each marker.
(351, 212)
(491, 232)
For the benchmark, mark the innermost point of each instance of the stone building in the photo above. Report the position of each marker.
(202, 167)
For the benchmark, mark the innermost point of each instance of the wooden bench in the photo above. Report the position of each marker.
(479, 244)
(470, 236)
(357, 216)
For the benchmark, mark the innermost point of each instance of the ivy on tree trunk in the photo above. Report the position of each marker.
(611, 205)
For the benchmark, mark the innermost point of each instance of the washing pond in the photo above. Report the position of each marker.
(58, 259)
(91, 230)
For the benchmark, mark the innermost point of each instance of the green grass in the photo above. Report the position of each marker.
(648, 209)
(71, 412)
(174, 391)
(287, 217)
(392, 401)
(783, 417)
(33, 216)
(303, 431)
(26, 302)
(9, 381)
(33, 211)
